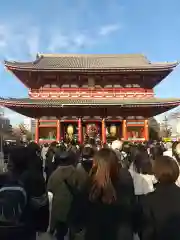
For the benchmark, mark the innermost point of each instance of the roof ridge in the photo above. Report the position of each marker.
(90, 55)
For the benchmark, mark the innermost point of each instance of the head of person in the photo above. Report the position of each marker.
(156, 151)
(33, 148)
(87, 152)
(142, 163)
(64, 158)
(33, 152)
(87, 158)
(18, 162)
(126, 147)
(46, 145)
(142, 147)
(104, 173)
(166, 170)
(62, 147)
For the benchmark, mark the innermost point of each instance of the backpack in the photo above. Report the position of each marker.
(13, 201)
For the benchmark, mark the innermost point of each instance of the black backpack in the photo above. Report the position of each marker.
(13, 201)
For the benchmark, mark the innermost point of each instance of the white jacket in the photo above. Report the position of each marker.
(143, 183)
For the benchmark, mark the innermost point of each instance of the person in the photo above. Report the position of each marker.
(6, 150)
(14, 198)
(62, 179)
(168, 149)
(176, 156)
(49, 164)
(117, 146)
(176, 151)
(141, 172)
(87, 159)
(156, 151)
(160, 210)
(110, 194)
(35, 185)
(44, 152)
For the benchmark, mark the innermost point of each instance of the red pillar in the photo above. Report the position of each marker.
(124, 130)
(37, 131)
(146, 130)
(103, 131)
(58, 136)
(80, 131)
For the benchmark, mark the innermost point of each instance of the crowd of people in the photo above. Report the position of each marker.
(119, 191)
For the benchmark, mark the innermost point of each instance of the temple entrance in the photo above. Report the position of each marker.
(101, 131)
(113, 131)
(91, 130)
(69, 131)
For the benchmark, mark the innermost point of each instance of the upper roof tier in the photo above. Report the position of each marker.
(91, 63)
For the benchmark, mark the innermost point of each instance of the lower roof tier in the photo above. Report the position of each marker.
(89, 107)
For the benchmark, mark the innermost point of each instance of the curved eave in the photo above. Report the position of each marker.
(10, 103)
(31, 66)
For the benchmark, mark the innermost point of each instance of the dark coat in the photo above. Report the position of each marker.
(38, 209)
(62, 198)
(115, 221)
(49, 163)
(35, 218)
(160, 214)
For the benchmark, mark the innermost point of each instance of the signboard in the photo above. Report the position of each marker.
(135, 123)
(169, 139)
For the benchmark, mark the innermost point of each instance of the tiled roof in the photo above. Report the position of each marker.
(56, 103)
(91, 62)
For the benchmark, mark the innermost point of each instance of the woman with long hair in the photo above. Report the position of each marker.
(141, 172)
(111, 199)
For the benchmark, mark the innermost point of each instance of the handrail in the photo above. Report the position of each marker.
(88, 90)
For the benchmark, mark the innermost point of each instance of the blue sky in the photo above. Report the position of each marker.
(89, 26)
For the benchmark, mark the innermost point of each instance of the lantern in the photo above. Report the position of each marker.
(70, 131)
(113, 130)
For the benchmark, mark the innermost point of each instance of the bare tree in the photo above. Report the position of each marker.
(166, 129)
(154, 129)
(20, 132)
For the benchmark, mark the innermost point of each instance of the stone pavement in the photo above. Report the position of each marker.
(44, 237)
(2, 165)
(47, 237)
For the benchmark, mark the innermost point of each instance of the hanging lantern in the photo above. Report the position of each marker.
(113, 130)
(70, 129)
